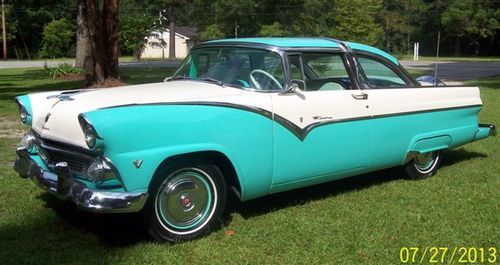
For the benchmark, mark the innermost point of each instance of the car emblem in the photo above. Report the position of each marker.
(137, 163)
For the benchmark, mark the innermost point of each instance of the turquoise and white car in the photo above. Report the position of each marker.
(252, 116)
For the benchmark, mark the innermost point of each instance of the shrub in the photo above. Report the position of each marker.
(212, 32)
(58, 36)
(64, 69)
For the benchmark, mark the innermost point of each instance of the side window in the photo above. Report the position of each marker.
(322, 71)
(379, 74)
(274, 66)
(326, 65)
(296, 70)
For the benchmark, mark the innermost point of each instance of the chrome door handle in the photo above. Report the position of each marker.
(362, 96)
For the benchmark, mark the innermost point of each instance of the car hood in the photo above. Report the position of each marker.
(55, 114)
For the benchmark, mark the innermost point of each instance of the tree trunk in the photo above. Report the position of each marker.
(103, 32)
(171, 45)
(457, 47)
(407, 48)
(110, 29)
(387, 37)
(84, 58)
(95, 31)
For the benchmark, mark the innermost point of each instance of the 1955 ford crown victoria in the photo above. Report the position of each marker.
(253, 116)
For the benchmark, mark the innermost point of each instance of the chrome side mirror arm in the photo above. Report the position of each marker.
(290, 90)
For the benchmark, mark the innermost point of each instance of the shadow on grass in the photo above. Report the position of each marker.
(490, 82)
(451, 157)
(301, 196)
(115, 231)
(29, 81)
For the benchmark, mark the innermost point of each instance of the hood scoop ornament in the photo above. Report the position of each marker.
(66, 95)
(61, 97)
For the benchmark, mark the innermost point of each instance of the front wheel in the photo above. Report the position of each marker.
(186, 202)
(423, 165)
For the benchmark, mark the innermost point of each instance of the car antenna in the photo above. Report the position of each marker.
(437, 60)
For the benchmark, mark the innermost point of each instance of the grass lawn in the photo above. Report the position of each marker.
(451, 59)
(366, 219)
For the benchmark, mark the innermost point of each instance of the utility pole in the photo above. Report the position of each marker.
(236, 26)
(4, 33)
(162, 42)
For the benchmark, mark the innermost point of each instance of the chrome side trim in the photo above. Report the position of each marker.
(299, 132)
(61, 184)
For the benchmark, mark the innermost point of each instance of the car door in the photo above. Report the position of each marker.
(322, 130)
(403, 113)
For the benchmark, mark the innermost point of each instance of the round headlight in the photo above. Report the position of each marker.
(90, 136)
(23, 115)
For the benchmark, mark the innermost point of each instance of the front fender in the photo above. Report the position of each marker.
(152, 133)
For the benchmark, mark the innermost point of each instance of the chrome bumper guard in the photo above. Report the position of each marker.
(492, 127)
(61, 184)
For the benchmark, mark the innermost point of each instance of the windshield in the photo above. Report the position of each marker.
(241, 67)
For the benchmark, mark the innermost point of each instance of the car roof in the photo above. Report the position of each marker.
(308, 43)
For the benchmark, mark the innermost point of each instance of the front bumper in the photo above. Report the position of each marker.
(62, 184)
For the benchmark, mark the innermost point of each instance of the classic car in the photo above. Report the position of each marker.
(253, 116)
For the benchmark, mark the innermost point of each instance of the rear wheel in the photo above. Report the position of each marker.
(423, 165)
(185, 201)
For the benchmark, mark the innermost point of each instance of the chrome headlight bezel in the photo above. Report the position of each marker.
(91, 137)
(24, 111)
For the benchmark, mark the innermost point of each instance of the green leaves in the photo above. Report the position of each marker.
(273, 30)
(356, 21)
(62, 70)
(212, 32)
(57, 39)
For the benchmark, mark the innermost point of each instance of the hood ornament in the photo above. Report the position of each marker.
(66, 95)
(61, 97)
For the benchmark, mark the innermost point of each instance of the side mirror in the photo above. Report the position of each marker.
(297, 84)
(291, 89)
(428, 80)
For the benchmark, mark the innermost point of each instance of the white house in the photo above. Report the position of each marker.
(157, 44)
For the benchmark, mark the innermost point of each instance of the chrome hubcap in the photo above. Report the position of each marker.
(425, 161)
(184, 199)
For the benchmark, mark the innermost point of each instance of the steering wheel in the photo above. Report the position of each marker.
(257, 85)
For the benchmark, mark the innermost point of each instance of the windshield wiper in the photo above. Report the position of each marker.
(178, 77)
(211, 80)
(205, 79)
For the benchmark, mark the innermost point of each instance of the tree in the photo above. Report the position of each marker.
(135, 25)
(456, 20)
(30, 17)
(103, 31)
(212, 32)
(400, 19)
(316, 18)
(84, 57)
(360, 25)
(484, 23)
(273, 30)
(57, 38)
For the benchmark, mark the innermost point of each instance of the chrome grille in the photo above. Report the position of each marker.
(75, 163)
(53, 152)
